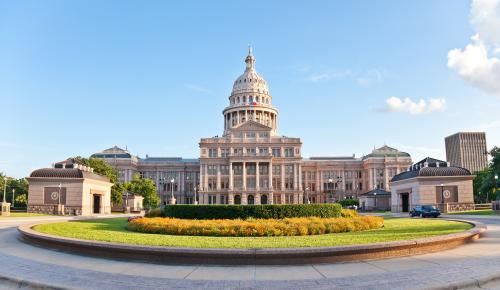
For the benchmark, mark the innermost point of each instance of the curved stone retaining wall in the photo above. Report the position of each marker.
(270, 256)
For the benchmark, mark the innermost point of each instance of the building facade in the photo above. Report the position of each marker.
(251, 163)
(433, 182)
(69, 188)
(467, 150)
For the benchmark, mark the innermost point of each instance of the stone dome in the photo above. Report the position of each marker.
(250, 81)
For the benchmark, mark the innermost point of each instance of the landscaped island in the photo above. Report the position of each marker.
(330, 227)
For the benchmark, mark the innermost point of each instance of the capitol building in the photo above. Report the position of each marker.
(251, 163)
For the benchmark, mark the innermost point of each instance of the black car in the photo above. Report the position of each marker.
(425, 211)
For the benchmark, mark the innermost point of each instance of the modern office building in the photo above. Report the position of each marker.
(251, 163)
(467, 150)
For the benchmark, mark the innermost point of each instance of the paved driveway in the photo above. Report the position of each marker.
(462, 266)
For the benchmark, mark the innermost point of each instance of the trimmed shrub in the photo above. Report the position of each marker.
(157, 212)
(349, 202)
(348, 213)
(267, 211)
(255, 227)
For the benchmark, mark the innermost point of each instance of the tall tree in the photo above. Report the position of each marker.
(146, 188)
(101, 167)
(484, 182)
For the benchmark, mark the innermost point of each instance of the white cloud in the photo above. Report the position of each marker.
(476, 63)
(329, 76)
(395, 104)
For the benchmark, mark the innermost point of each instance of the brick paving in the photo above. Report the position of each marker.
(467, 266)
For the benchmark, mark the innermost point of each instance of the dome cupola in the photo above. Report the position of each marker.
(250, 100)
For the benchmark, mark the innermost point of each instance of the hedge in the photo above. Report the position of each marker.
(267, 211)
(254, 227)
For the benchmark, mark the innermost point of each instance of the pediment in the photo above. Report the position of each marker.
(252, 126)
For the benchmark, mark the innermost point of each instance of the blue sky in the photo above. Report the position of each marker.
(77, 77)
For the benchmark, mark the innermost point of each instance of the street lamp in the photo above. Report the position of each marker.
(442, 195)
(195, 202)
(59, 200)
(330, 185)
(4, 187)
(307, 195)
(13, 196)
(496, 186)
(375, 195)
(172, 199)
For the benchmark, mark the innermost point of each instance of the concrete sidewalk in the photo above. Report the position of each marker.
(468, 266)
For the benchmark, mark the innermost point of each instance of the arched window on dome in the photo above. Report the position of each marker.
(244, 99)
(250, 99)
(257, 99)
(238, 99)
(245, 80)
(267, 100)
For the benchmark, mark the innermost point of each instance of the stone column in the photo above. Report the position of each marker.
(386, 178)
(257, 176)
(282, 176)
(295, 179)
(299, 167)
(230, 175)
(270, 198)
(205, 181)
(244, 198)
(301, 197)
(295, 198)
(202, 177)
(283, 200)
(270, 182)
(257, 198)
(218, 177)
(244, 176)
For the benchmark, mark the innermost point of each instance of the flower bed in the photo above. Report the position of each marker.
(254, 227)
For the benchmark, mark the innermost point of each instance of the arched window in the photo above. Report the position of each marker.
(250, 199)
(250, 99)
(238, 99)
(257, 99)
(244, 99)
(263, 199)
(237, 199)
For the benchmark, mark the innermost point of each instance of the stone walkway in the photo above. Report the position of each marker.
(467, 266)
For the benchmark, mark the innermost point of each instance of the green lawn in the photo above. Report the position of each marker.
(114, 230)
(474, 212)
(23, 214)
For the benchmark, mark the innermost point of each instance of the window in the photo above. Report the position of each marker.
(263, 169)
(224, 152)
(250, 134)
(212, 169)
(277, 152)
(276, 169)
(250, 99)
(257, 99)
(289, 169)
(238, 169)
(288, 152)
(224, 183)
(277, 182)
(212, 152)
(263, 151)
(212, 183)
(238, 99)
(212, 199)
(250, 169)
(264, 135)
(223, 199)
(244, 99)
(238, 151)
(224, 169)
(251, 151)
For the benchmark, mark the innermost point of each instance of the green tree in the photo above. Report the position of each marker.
(484, 182)
(21, 200)
(146, 188)
(103, 168)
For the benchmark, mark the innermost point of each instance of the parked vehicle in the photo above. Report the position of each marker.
(425, 211)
